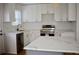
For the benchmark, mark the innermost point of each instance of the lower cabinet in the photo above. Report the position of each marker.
(14, 42)
(1, 44)
(77, 24)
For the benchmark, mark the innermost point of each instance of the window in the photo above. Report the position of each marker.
(17, 17)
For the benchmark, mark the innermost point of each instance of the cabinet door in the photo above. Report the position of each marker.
(12, 12)
(64, 12)
(72, 12)
(47, 8)
(50, 8)
(57, 8)
(44, 8)
(1, 30)
(77, 24)
(6, 13)
(9, 12)
(1, 43)
(60, 12)
(17, 15)
(10, 43)
(37, 13)
(31, 13)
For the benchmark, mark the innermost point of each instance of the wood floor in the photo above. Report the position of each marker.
(71, 53)
(23, 52)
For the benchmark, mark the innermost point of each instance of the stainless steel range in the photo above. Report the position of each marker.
(47, 30)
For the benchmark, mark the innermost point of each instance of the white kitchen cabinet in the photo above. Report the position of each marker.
(10, 43)
(26, 38)
(1, 44)
(43, 8)
(6, 13)
(30, 35)
(9, 10)
(14, 42)
(60, 12)
(72, 12)
(50, 8)
(31, 13)
(47, 8)
(1, 30)
(65, 12)
(77, 24)
(17, 15)
(12, 13)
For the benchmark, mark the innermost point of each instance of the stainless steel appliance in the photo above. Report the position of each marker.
(47, 30)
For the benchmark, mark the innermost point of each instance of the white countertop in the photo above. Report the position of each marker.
(16, 32)
(53, 44)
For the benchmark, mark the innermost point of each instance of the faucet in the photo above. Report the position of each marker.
(18, 26)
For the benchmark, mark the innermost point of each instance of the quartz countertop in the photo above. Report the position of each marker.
(53, 44)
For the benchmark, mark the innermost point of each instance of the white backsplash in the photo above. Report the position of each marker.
(59, 26)
(67, 26)
(8, 27)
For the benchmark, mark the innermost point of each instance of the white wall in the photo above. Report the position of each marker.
(66, 26)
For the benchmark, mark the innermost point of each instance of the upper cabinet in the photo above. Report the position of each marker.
(31, 13)
(60, 12)
(17, 15)
(12, 13)
(72, 12)
(47, 8)
(44, 9)
(1, 13)
(65, 12)
(9, 12)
